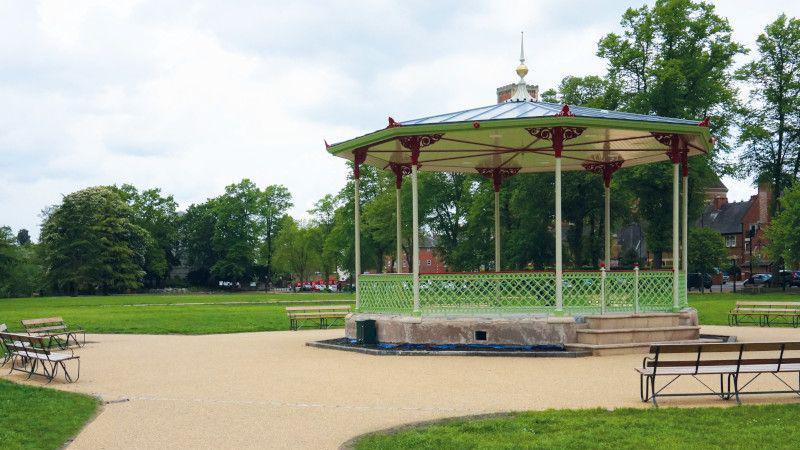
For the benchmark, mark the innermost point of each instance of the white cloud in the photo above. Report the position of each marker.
(193, 96)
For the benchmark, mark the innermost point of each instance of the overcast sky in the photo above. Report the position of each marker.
(192, 96)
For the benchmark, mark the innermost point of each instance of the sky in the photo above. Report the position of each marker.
(191, 96)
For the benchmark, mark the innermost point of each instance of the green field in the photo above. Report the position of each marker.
(772, 426)
(239, 312)
(165, 313)
(37, 418)
(713, 308)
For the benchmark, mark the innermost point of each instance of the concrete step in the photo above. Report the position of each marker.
(631, 335)
(627, 348)
(644, 320)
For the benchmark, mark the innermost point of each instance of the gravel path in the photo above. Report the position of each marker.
(268, 390)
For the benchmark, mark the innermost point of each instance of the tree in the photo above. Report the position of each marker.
(159, 216)
(324, 217)
(23, 237)
(237, 229)
(197, 227)
(295, 249)
(674, 59)
(91, 243)
(770, 120)
(706, 250)
(276, 200)
(782, 234)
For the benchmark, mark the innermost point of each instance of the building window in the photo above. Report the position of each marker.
(429, 262)
(730, 240)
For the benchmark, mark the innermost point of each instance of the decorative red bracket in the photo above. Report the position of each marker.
(399, 170)
(604, 168)
(359, 156)
(416, 143)
(497, 174)
(678, 151)
(556, 135)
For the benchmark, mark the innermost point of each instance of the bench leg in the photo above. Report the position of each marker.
(67, 375)
(653, 389)
(736, 388)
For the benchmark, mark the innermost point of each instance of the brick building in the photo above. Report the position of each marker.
(430, 260)
(736, 221)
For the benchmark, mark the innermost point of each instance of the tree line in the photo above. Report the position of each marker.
(675, 59)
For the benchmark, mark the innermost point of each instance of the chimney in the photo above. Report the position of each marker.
(764, 199)
(720, 201)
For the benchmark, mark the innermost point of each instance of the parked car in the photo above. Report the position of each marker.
(787, 278)
(693, 281)
(764, 279)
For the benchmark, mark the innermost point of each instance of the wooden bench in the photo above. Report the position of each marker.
(765, 313)
(731, 361)
(27, 353)
(55, 330)
(323, 316)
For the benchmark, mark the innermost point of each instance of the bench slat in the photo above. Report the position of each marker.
(722, 369)
(27, 322)
(724, 347)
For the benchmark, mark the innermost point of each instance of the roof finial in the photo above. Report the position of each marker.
(521, 94)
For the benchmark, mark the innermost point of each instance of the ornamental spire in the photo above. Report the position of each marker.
(521, 94)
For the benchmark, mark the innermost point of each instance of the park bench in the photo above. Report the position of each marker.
(27, 353)
(731, 360)
(55, 330)
(765, 313)
(323, 316)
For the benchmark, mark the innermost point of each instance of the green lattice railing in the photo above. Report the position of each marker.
(583, 292)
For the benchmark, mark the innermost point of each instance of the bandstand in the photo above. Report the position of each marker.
(508, 139)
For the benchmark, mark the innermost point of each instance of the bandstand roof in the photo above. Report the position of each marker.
(498, 136)
(516, 135)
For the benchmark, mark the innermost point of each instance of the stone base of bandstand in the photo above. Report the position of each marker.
(530, 330)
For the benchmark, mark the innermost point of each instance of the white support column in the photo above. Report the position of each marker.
(415, 236)
(497, 230)
(675, 235)
(607, 228)
(358, 241)
(685, 252)
(559, 268)
(399, 258)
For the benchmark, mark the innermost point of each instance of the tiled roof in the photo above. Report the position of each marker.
(726, 220)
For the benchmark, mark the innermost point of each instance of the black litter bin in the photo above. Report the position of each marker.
(366, 333)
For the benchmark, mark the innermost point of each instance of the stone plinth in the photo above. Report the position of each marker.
(511, 330)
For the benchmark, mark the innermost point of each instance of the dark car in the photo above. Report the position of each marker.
(759, 279)
(693, 281)
(787, 278)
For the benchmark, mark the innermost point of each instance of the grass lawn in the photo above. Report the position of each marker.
(163, 314)
(238, 312)
(38, 418)
(771, 426)
(713, 308)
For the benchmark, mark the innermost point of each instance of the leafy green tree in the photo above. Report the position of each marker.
(23, 237)
(197, 227)
(674, 59)
(91, 243)
(706, 250)
(296, 249)
(324, 219)
(275, 200)
(159, 216)
(236, 232)
(782, 235)
(770, 120)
